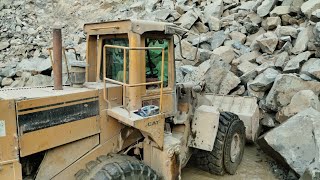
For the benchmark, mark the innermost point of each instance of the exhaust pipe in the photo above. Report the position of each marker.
(57, 55)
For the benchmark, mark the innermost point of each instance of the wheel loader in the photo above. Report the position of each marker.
(123, 116)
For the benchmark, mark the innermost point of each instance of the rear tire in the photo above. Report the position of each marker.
(224, 157)
(116, 167)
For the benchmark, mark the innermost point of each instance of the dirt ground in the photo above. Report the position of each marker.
(254, 166)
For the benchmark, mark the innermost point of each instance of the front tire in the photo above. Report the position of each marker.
(116, 167)
(228, 147)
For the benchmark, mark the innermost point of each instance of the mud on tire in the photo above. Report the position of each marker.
(221, 159)
(116, 167)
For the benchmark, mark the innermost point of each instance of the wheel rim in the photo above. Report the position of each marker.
(235, 147)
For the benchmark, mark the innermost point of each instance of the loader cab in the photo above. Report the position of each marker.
(137, 55)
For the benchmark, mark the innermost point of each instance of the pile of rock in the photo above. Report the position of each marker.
(267, 49)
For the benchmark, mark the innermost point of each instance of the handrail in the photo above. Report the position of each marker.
(124, 84)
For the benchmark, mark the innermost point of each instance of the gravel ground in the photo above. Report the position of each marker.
(255, 165)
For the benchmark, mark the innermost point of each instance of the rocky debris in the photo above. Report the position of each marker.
(295, 142)
(264, 80)
(244, 47)
(285, 87)
(300, 101)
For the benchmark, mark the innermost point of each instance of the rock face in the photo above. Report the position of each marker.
(285, 87)
(289, 142)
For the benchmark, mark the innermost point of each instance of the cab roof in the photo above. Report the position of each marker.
(126, 26)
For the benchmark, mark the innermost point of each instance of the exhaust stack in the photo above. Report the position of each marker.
(57, 55)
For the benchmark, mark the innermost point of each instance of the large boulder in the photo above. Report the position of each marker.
(217, 39)
(300, 101)
(264, 80)
(295, 142)
(225, 53)
(285, 87)
(35, 65)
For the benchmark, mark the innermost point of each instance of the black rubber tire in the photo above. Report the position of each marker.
(116, 167)
(218, 160)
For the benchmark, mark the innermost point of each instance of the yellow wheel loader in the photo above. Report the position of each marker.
(123, 117)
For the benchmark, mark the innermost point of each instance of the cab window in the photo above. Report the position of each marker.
(153, 61)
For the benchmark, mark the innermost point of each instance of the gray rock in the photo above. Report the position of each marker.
(272, 22)
(205, 37)
(315, 16)
(188, 19)
(4, 45)
(214, 24)
(32, 31)
(311, 68)
(8, 71)
(285, 87)
(198, 73)
(259, 95)
(238, 36)
(301, 43)
(312, 172)
(253, 37)
(281, 59)
(39, 80)
(266, 7)
(316, 32)
(214, 9)
(188, 51)
(305, 77)
(268, 121)
(21, 81)
(249, 76)
(300, 101)
(239, 91)
(204, 54)
(264, 66)
(201, 27)
(293, 64)
(251, 57)
(309, 6)
(187, 68)
(280, 10)
(220, 81)
(294, 142)
(287, 31)
(225, 53)
(264, 81)
(35, 65)
(267, 42)
(217, 39)
(246, 67)
(6, 81)
(295, 5)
